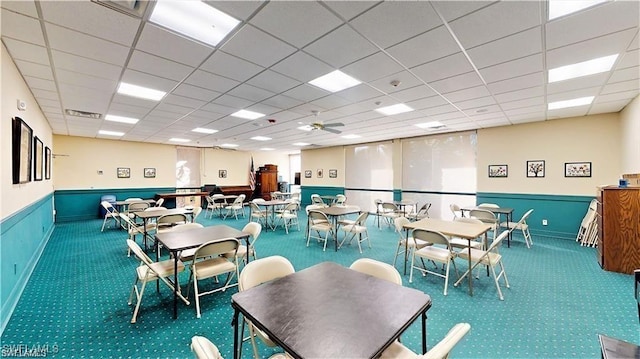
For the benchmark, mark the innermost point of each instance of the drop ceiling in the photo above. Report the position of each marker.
(466, 64)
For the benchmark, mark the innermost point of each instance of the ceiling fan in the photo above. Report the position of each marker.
(324, 126)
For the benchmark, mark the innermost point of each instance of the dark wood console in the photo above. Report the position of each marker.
(230, 190)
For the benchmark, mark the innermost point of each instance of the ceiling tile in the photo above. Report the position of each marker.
(211, 81)
(28, 52)
(373, 67)
(34, 69)
(273, 81)
(512, 47)
(143, 62)
(449, 66)
(87, 46)
(341, 47)
(612, 44)
(511, 69)
(230, 66)
(451, 10)
(85, 66)
(517, 83)
(163, 43)
(429, 46)
(20, 27)
(258, 47)
(349, 9)
(249, 92)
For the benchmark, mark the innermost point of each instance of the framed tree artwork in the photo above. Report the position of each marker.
(38, 159)
(22, 151)
(47, 163)
(498, 170)
(535, 168)
(577, 169)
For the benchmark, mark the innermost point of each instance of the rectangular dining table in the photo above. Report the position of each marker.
(334, 213)
(273, 203)
(330, 311)
(468, 231)
(176, 242)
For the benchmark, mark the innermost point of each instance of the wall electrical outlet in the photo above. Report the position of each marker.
(544, 222)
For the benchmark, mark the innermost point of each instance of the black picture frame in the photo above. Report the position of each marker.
(123, 172)
(319, 173)
(47, 163)
(333, 173)
(535, 168)
(149, 172)
(307, 174)
(498, 171)
(38, 159)
(22, 151)
(222, 173)
(577, 169)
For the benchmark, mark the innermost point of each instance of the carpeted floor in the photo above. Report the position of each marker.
(75, 304)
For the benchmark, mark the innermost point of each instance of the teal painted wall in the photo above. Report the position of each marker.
(77, 205)
(563, 213)
(307, 191)
(23, 237)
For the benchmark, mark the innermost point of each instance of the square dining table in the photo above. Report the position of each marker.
(334, 212)
(506, 211)
(330, 311)
(176, 242)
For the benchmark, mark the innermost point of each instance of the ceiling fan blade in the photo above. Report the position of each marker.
(335, 124)
(331, 130)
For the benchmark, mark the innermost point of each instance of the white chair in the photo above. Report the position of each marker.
(488, 205)
(359, 229)
(186, 256)
(522, 226)
(377, 269)
(441, 350)
(491, 258)
(289, 216)
(212, 205)
(110, 213)
(319, 222)
(207, 262)
(423, 212)
(587, 233)
(160, 202)
(257, 214)
(254, 229)
(136, 207)
(487, 217)
(340, 200)
(237, 206)
(307, 209)
(196, 213)
(203, 348)
(456, 210)
(403, 242)
(149, 271)
(258, 272)
(440, 252)
(390, 212)
(317, 200)
(133, 229)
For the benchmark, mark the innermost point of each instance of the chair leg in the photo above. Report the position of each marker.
(196, 294)
(139, 297)
(495, 280)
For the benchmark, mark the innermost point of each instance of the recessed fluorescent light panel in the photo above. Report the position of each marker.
(121, 119)
(194, 19)
(267, 149)
(110, 133)
(247, 115)
(350, 137)
(305, 128)
(559, 8)
(571, 103)
(394, 109)
(260, 138)
(183, 140)
(208, 131)
(229, 145)
(301, 144)
(585, 68)
(335, 81)
(432, 124)
(140, 92)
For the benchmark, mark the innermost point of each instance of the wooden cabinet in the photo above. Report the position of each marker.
(266, 181)
(619, 229)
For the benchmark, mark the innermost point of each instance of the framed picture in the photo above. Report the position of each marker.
(577, 169)
(498, 170)
(22, 151)
(47, 163)
(124, 172)
(307, 174)
(222, 174)
(333, 173)
(149, 172)
(535, 168)
(319, 173)
(38, 159)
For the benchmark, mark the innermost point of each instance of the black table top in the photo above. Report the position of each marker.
(179, 241)
(500, 210)
(329, 311)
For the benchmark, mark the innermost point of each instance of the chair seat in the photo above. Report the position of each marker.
(434, 253)
(354, 228)
(163, 269)
(212, 267)
(463, 243)
(514, 225)
(415, 243)
(242, 251)
(476, 254)
(322, 226)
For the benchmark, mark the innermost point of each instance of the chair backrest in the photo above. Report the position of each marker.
(389, 207)
(216, 247)
(196, 213)
(185, 227)
(498, 241)
(340, 199)
(315, 215)
(362, 219)
(526, 215)
(177, 218)
(431, 237)
(484, 215)
(239, 199)
(108, 207)
(133, 199)
(444, 346)
(151, 209)
(488, 205)
(258, 200)
(203, 348)
(425, 208)
(311, 207)
(454, 209)
(468, 220)
(253, 207)
(263, 270)
(138, 206)
(159, 202)
(254, 229)
(291, 208)
(315, 199)
(138, 252)
(399, 223)
(377, 269)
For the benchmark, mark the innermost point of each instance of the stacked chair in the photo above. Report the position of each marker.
(588, 231)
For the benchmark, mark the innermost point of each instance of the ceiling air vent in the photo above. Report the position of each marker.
(86, 114)
(134, 8)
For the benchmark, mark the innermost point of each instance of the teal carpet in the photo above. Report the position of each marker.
(75, 304)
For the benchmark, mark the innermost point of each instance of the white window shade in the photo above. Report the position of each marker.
(188, 167)
(369, 166)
